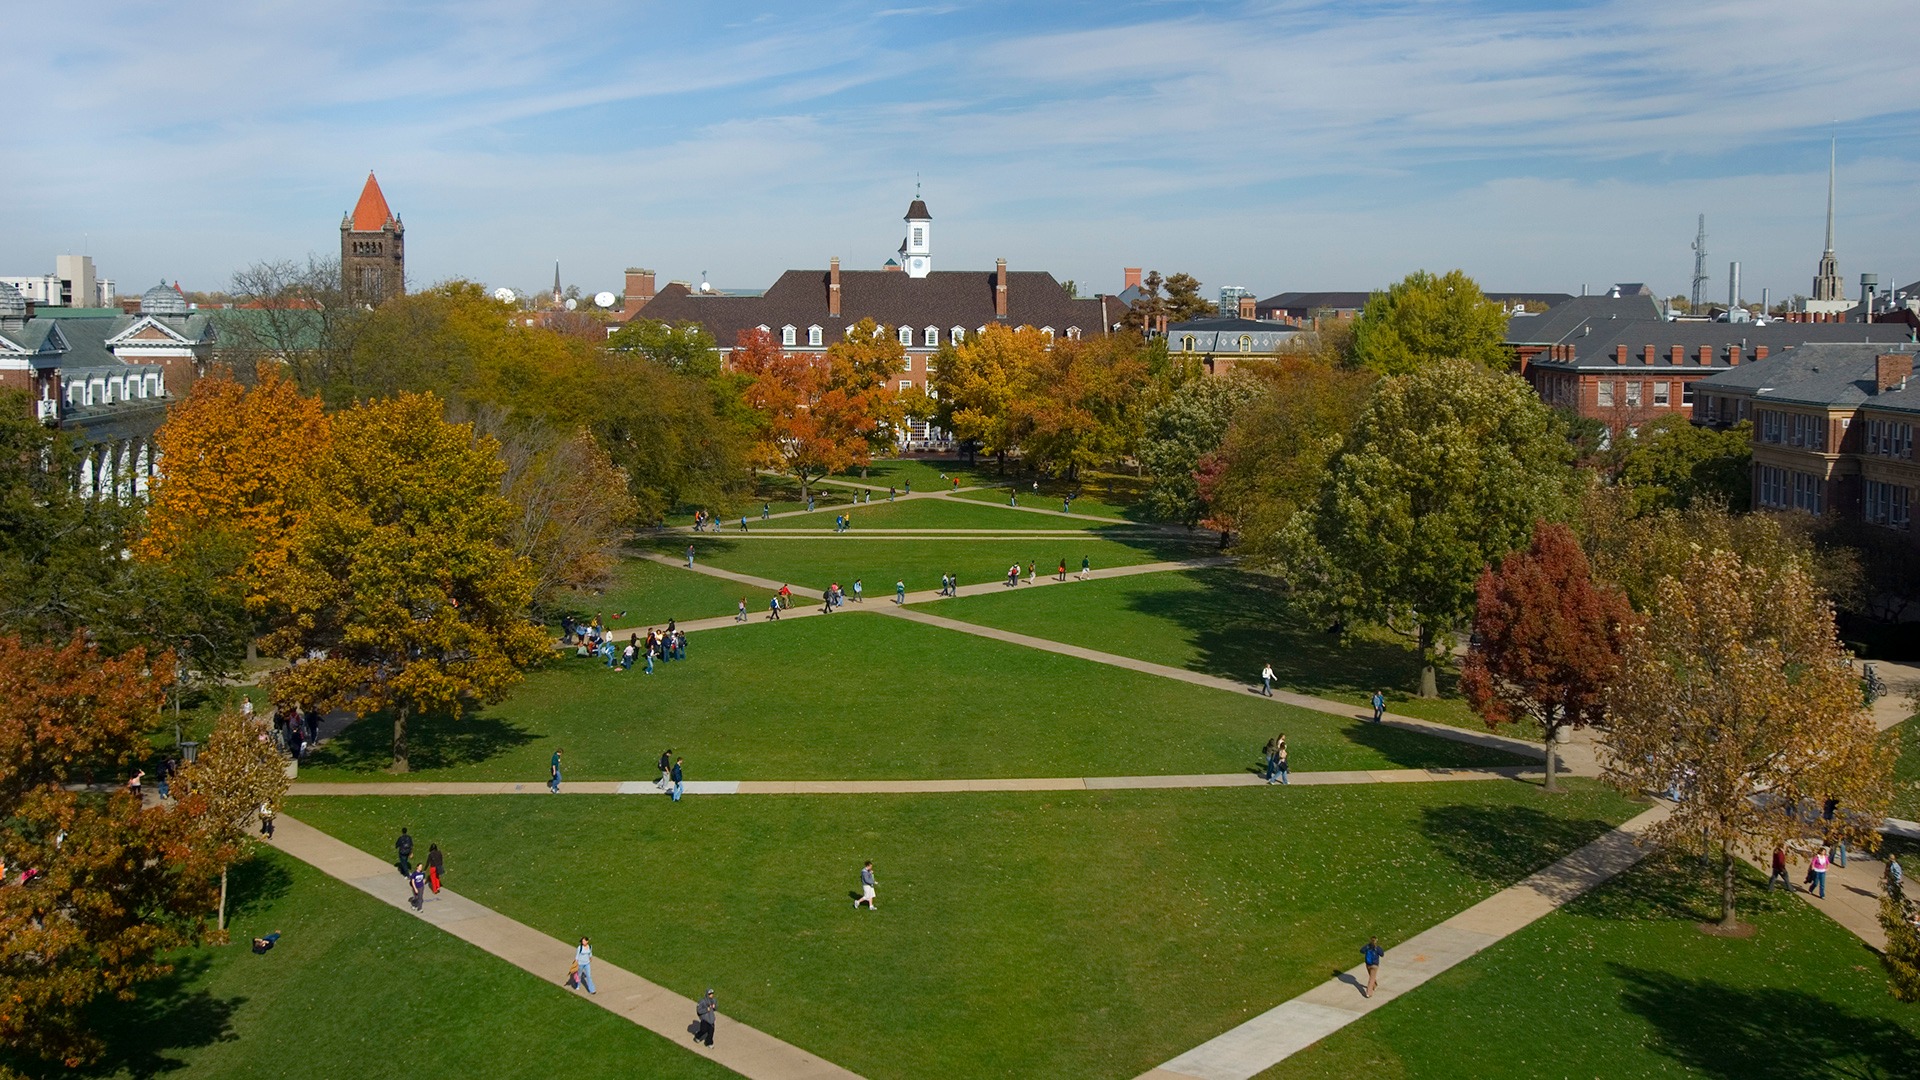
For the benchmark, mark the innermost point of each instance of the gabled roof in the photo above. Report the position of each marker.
(1600, 349)
(1307, 301)
(183, 330)
(1823, 373)
(370, 214)
(1579, 316)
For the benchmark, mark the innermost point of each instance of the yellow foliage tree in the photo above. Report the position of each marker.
(237, 773)
(982, 381)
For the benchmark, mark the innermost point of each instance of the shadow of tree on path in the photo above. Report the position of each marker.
(1743, 1034)
(1502, 844)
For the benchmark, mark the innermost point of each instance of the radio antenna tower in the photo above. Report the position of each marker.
(1699, 262)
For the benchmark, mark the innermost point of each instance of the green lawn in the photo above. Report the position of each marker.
(1019, 934)
(357, 988)
(919, 562)
(1223, 622)
(1101, 494)
(860, 695)
(1906, 771)
(780, 494)
(651, 594)
(1623, 983)
(925, 473)
(917, 513)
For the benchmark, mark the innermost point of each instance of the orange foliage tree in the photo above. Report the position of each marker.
(809, 426)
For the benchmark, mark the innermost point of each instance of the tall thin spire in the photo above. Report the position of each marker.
(1833, 159)
(556, 279)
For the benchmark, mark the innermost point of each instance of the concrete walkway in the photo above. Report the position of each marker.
(1304, 701)
(1267, 1039)
(743, 1049)
(905, 787)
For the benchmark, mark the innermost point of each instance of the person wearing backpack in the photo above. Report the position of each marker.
(404, 846)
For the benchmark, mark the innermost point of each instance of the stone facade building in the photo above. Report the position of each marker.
(373, 249)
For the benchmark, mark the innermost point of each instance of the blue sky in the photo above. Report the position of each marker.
(1287, 145)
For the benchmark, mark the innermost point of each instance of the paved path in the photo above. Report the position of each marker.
(1304, 701)
(903, 787)
(1284, 1030)
(743, 1049)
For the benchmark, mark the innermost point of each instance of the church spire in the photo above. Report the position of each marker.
(1827, 286)
(1833, 159)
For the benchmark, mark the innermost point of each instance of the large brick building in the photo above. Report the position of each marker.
(1833, 428)
(373, 249)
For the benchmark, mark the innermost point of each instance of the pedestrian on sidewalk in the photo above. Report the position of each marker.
(766, 511)
(266, 820)
(134, 782)
(889, 493)
(786, 595)
(1779, 868)
(1086, 567)
(689, 556)
(773, 608)
(1379, 705)
(679, 778)
(404, 846)
(743, 523)
(866, 887)
(809, 504)
(436, 867)
(583, 960)
(1818, 867)
(1271, 752)
(553, 767)
(900, 592)
(417, 884)
(1282, 764)
(909, 487)
(167, 769)
(859, 591)
(1371, 954)
(1013, 575)
(666, 770)
(1033, 572)
(1266, 678)
(1061, 574)
(704, 1013)
(741, 615)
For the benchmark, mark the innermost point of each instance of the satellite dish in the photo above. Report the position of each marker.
(503, 294)
(603, 299)
(572, 303)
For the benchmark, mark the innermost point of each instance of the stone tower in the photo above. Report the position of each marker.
(1827, 285)
(373, 254)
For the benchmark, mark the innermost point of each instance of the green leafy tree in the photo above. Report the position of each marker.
(1425, 318)
(1184, 301)
(981, 382)
(1082, 404)
(683, 347)
(1183, 429)
(1445, 472)
(1546, 640)
(1736, 690)
(401, 593)
(238, 774)
(1673, 462)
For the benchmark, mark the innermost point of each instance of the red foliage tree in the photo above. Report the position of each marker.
(810, 425)
(1546, 640)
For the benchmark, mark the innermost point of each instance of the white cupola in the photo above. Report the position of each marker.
(916, 251)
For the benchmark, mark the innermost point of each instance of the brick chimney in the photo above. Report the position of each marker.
(833, 286)
(1733, 355)
(1677, 355)
(639, 290)
(999, 288)
(1619, 354)
(1247, 307)
(1647, 355)
(1759, 352)
(1130, 275)
(1706, 356)
(1891, 370)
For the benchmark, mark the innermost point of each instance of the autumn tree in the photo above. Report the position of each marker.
(1445, 472)
(683, 347)
(1190, 425)
(861, 369)
(400, 593)
(1082, 404)
(1546, 640)
(1735, 690)
(981, 383)
(1424, 318)
(237, 772)
(1901, 957)
(1674, 463)
(116, 885)
(291, 313)
(569, 506)
(806, 430)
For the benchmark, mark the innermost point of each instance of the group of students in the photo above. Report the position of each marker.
(1059, 573)
(421, 877)
(708, 521)
(1276, 754)
(669, 644)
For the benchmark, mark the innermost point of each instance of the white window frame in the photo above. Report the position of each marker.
(788, 336)
(906, 384)
(1604, 393)
(1686, 392)
(906, 362)
(932, 337)
(1662, 395)
(957, 335)
(1047, 332)
(906, 335)
(815, 336)
(1633, 393)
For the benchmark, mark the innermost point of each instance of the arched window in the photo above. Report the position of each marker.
(932, 337)
(1246, 342)
(1186, 343)
(1047, 332)
(813, 335)
(957, 335)
(906, 335)
(787, 335)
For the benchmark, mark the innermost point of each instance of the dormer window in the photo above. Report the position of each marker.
(1246, 342)
(933, 336)
(813, 335)
(957, 335)
(787, 335)
(1047, 332)
(906, 335)
(1073, 333)
(1186, 343)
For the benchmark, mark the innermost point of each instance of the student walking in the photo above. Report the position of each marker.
(1779, 869)
(1086, 567)
(743, 523)
(1013, 575)
(900, 592)
(859, 591)
(417, 883)
(889, 494)
(1033, 572)
(436, 868)
(741, 615)
(766, 511)
(1379, 705)
(1282, 763)
(773, 608)
(786, 595)
(404, 847)
(1371, 954)
(266, 820)
(1272, 753)
(666, 769)
(553, 767)
(583, 962)
(1266, 679)
(1818, 868)
(866, 887)
(689, 556)
(1061, 574)
(679, 778)
(704, 1013)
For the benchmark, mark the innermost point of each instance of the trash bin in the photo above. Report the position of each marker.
(189, 750)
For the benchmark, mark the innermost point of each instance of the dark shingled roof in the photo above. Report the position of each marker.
(1824, 373)
(1566, 320)
(943, 299)
(918, 209)
(1597, 351)
(1307, 301)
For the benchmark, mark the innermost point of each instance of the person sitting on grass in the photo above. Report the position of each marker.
(264, 944)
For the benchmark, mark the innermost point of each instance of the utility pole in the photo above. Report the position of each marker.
(1699, 263)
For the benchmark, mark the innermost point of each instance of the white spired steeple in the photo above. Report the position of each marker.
(916, 250)
(1826, 281)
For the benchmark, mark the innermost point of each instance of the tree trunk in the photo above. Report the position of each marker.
(1003, 463)
(1553, 759)
(1726, 883)
(399, 741)
(1429, 679)
(223, 898)
(863, 472)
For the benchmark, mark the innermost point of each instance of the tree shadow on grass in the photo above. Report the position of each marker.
(1742, 1034)
(1413, 750)
(165, 1016)
(433, 742)
(1502, 844)
(1671, 884)
(255, 885)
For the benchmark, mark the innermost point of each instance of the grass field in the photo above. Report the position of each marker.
(1906, 771)
(860, 695)
(651, 594)
(1223, 622)
(1060, 936)
(919, 562)
(1623, 983)
(1101, 494)
(357, 988)
(942, 513)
